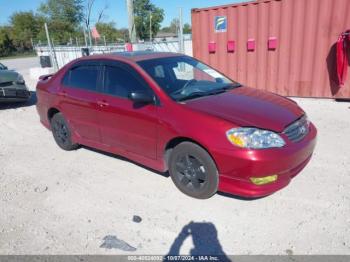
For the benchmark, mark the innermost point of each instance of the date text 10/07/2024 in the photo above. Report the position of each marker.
(174, 258)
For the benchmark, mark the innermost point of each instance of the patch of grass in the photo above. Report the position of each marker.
(19, 55)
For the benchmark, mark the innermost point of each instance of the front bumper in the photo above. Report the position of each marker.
(15, 93)
(236, 167)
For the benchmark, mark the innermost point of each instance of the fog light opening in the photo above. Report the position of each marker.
(263, 180)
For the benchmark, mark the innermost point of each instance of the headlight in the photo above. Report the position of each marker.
(248, 137)
(20, 80)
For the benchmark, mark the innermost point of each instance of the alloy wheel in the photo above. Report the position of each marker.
(61, 132)
(190, 172)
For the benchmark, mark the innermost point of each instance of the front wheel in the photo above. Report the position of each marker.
(62, 133)
(193, 171)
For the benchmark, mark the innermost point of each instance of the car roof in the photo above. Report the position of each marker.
(145, 55)
(134, 56)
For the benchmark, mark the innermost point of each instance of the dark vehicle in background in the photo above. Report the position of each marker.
(172, 112)
(3, 67)
(12, 86)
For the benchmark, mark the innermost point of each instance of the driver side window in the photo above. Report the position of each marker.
(121, 82)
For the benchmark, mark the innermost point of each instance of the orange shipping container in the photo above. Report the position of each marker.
(284, 46)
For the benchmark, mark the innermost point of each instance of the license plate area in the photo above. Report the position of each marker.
(13, 93)
(10, 93)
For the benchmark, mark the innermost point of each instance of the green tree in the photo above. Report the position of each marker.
(69, 11)
(124, 34)
(174, 27)
(165, 29)
(63, 17)
(110, 31)
(6, 44)
(187, 29)
(143, 10)
(24, 27)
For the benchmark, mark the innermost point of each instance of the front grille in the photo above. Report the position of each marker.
(22, 93)
(12, 92)
(297, 130)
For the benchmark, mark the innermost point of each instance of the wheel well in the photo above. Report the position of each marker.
(174, 142)
(51, 113)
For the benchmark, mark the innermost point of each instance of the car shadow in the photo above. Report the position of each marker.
(13, 105)
(343, 100)
(163, 174)
(205, 242)
(239, 197)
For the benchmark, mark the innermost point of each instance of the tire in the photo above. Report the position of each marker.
(62, 133)
(193, 171)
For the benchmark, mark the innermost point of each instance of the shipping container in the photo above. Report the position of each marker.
(284, 46)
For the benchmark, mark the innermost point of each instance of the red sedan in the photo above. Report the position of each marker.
(171, 112)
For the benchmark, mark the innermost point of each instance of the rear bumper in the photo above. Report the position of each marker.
(238, 166)
(43, 114)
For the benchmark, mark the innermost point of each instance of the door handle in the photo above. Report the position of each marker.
(62, 93)
(102, 103)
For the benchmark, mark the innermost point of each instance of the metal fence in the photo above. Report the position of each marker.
(64, 54)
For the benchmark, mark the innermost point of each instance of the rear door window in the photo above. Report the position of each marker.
(83, 77)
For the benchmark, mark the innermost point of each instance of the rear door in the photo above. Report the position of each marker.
(79, 96)
(125, 125)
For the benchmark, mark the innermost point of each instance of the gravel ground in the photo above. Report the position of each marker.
(88, 202)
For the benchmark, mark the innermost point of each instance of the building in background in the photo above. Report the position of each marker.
(163, 37)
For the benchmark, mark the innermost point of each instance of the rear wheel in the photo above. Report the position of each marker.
(62, 133)
(193, 171)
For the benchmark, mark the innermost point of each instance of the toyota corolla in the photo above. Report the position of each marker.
(171, 112)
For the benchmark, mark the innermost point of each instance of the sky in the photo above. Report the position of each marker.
(116, 11)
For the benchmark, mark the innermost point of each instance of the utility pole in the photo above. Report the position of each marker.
(86, 44)
(181, 37)
(104, 39)
(31, 41)
(89, 34)
(53, 58)
(150, 26)
(131, 21)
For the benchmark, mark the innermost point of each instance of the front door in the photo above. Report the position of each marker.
(125, 125)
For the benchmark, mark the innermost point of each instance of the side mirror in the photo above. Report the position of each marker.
(219, 80)
(5, 68)
(141, 97)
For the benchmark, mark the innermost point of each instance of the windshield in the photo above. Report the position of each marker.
(184, 78)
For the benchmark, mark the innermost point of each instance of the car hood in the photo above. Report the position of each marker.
(8, 76)
(246, 106)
